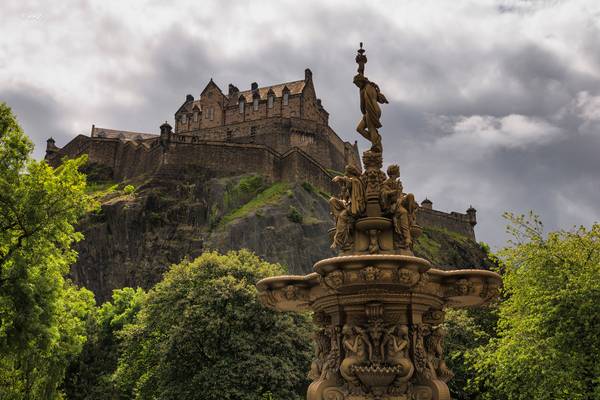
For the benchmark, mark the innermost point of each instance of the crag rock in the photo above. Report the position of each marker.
(134, 238)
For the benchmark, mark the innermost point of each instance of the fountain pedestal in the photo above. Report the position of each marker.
(378, 318)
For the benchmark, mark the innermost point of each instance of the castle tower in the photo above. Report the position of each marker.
(427, 204)
(472, 214)
(165, 133)
(50, 147)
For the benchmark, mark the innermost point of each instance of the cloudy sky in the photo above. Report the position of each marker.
(492, 103)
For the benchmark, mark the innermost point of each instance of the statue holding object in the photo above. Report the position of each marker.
(350, 204)
(370, 96)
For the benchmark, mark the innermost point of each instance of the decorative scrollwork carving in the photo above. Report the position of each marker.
(291, 292)
(334, 279)
(408, 277)
(421, 393)
(332, 393)
(370, 273)
(461, 287)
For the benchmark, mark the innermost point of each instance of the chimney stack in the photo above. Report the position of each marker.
(232, 89)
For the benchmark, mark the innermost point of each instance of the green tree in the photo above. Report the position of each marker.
(203, 334)
(549, 342)
(90, 375)
(42, 316)
(467, 330)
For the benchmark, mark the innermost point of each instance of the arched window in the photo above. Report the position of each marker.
(183, 118)
(211, 112)
(241, 104)
(270, 101)
(196, 116)
(286, 98)
(255, 104)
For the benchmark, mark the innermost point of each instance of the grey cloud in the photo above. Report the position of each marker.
(39, 114)
(432, 82)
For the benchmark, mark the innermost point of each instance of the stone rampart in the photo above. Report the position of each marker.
(454, 222)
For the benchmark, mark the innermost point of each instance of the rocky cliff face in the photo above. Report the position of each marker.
(142, 229)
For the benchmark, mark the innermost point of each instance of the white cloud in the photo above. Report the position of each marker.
(588, 106)
(479, 134)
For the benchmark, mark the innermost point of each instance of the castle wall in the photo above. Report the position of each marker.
(223, 158)
(216, 157)
(454, 222)
(297, 166)
(281, 134)
(133, 160)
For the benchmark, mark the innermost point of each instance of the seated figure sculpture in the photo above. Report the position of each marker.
(350, 204)
(401, 206)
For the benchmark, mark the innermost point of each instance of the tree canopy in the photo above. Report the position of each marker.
(42, 315)
(549, 343)
(203, 334)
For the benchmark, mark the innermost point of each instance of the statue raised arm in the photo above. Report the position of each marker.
(370, 97)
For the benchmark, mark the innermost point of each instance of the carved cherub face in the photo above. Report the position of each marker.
(335, 279)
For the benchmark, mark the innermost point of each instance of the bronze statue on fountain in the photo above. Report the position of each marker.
(378, 308)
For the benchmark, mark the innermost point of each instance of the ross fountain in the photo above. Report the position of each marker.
(378, 308)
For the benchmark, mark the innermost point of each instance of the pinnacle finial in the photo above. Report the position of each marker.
(361, 59)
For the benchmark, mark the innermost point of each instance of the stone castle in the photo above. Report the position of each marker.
(280, 131)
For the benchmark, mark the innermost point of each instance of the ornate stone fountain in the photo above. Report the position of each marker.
(378, 308)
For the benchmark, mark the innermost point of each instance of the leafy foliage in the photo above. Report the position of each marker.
(202, 334)
(548, 345)
(42, 316)
(129, 189)
(90, 376)
(295, 215)
(467, 330)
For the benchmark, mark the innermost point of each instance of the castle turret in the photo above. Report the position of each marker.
(307, 74)
(51, 147)
(427, 204)
(165, 133)
(472, 215)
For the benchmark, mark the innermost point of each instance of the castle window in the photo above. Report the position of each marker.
(286, 98)
(211, 112)
(241, 106)
(252, 134)
(195, 116)
(183, 119)
(270, 102)
(255, 104)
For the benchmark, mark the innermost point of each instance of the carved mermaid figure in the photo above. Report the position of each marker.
(395, 344)
(357, 350)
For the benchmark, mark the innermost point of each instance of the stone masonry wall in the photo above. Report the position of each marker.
(318, 140)
(454, 222)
